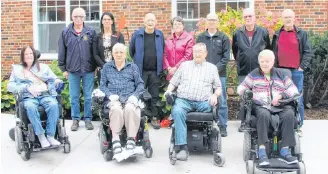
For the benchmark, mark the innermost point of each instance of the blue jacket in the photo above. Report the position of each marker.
(136, 48)
(18, 83)
(75, 52)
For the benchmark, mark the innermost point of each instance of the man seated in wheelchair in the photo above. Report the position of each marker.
(122, 84)
(269, 85)
(194, 82)
(36, 84)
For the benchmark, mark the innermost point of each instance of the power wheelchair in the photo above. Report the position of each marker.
(202, 134)
(105, 134)
(250, 144)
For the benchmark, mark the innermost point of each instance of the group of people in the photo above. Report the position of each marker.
(196, 69)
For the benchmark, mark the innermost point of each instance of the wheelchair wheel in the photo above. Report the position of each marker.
(108, 155)
(216, 141)
(149, 152)
(67, 147)
(302, 169)
(18, 139)
(102, 140)
(172, 154)
(219, 159)
(297, 147)
(12, 134)
(250, 168)
(247, 146)
(26, 155)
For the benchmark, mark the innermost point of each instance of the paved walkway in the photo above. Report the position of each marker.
(85, 154)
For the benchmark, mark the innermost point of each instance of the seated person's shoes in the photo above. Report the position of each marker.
(155, 123)
(43, 141)
(263, 158)
(223, 131)
(183, 153)
(117, 148)
(286, 157)
(53, 141)
(242, 127)
(130, 144)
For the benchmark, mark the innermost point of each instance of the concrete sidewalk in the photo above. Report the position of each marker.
(85, 156)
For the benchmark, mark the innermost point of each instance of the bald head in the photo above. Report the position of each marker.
(150, 22)
(288, 12)
(288, 18)
(78, 16)
(249, 17)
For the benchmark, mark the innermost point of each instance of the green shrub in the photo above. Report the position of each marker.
(7, 99)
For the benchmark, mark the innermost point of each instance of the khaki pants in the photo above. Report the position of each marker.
(129, 116)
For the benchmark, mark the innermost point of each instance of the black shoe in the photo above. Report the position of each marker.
(223, 131)
(88, 125)
(242, 127)
(264, 161)
(155, 123)
(75, 125)
(289, 159)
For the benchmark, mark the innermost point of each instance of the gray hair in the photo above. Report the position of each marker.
(178, 19)
(266, 53)
(200, 44)
(119, 46)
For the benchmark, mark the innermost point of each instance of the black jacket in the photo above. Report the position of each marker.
(98, 48)
(303, 47)
(246, 55)
(218, 48)
(75, 51)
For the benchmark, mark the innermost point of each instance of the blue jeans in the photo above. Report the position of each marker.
(50, 105)
(298, 78)
(223, 106)
(74, 92)
(179, 111)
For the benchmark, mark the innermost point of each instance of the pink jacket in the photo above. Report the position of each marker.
(177, 50)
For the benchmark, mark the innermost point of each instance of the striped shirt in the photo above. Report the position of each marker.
(260, 85)
(196, 82)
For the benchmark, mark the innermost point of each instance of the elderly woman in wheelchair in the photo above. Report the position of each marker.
(194, 83)
(122, 85)
(270, 95)
(35, 84)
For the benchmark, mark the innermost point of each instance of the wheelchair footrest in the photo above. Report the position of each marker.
(275, 163)
(37, 149)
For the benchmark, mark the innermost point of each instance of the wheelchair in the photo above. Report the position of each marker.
(202, 134)
(24, 137)
(105, 134)
(250, 145)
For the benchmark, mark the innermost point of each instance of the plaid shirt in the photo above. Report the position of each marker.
(196, 81)
(123, 83)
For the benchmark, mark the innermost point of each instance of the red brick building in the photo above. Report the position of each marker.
(39, 22)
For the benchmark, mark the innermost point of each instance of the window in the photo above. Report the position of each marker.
(52, 16)
(193, 10)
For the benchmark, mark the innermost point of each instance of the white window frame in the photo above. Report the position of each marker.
(52, 56)
(174, 6)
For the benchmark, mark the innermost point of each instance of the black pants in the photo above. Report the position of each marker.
(286, 125)
(152, 83)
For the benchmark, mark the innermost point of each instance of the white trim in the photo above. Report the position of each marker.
(35, 24)
(49, 56)
(174, 8)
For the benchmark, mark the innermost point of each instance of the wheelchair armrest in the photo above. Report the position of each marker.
(294, 98)
(214, 112)
(170, 98)
(247, 95)
(59, 99)
(145, 96)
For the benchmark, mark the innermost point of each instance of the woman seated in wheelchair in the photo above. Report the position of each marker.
(36, 85)
(269, 85)
(194, 81)
(122, 84)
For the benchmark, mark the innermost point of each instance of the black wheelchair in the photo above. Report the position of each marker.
(202, 134)
(105, 134)
(250, 144)
(23, 133)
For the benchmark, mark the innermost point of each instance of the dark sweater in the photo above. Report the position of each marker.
(150, 59)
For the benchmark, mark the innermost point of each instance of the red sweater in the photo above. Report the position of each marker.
(288, 51)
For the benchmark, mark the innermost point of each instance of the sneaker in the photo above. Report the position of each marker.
(75, 125)
(117, 148)
(286, 157)
(183, 154)
(43, 141)
(155, 123)
(263, 158)
(242, 127)
(223, 131)
(130, 144)
(88, 125)
(53, 141)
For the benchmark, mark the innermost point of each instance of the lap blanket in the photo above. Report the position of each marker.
(125, 154)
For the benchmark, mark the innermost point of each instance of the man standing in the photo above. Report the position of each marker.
(293, 51)
(247, 42)
(147, 49)
(218, 48)
(76, 61)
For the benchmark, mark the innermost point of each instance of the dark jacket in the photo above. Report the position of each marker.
(136, 48)
(245, 54)
(75, 52)
(98, 48)
(303, 46)
(218, 48)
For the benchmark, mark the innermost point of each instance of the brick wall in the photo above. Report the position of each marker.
(16, 31)
(311, 14)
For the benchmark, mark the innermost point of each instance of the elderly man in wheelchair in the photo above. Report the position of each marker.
(194, 83)
(270, 98)
(34, 85)
(123, 86)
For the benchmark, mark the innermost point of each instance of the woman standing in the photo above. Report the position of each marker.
(178, 48)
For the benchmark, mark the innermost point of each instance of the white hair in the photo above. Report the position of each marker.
(266, 53)
(119, 46)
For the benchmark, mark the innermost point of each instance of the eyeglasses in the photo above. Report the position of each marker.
(78, 17)
(249, 16)
(109, 19)
(212, 20)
